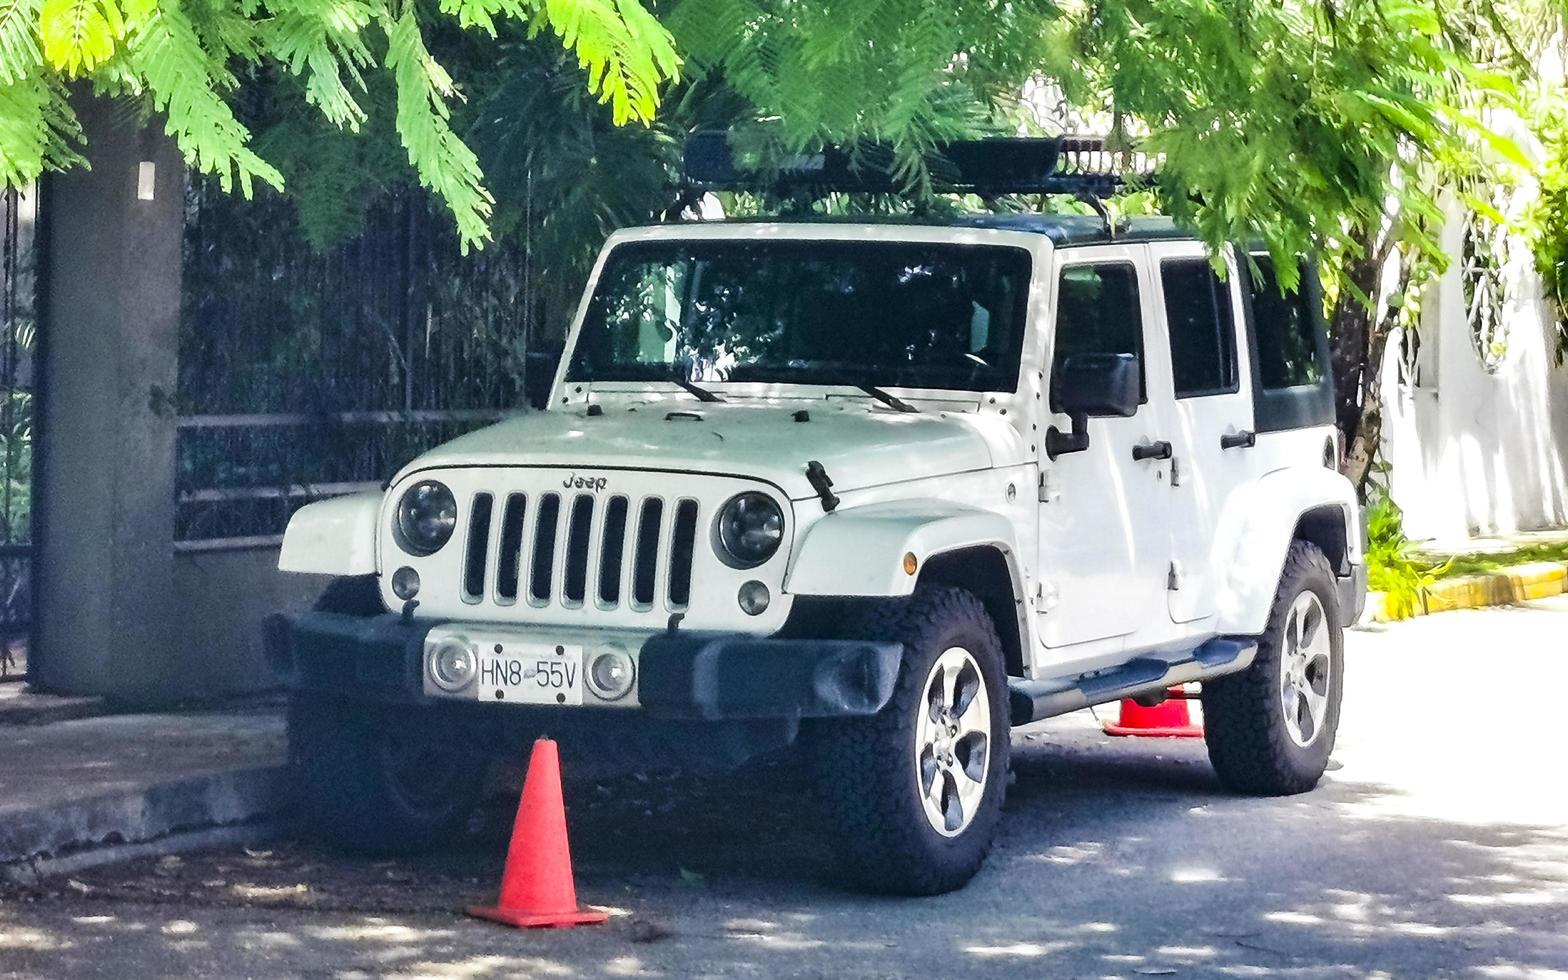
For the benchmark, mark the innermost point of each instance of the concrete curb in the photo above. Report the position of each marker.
(1521, 583)
(34, 871)
(21, 706)
(156, 819)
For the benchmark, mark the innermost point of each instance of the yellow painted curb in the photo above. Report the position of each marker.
(1521, 583)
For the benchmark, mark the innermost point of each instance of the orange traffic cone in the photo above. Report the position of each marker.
(536, 887)
(1168, 719)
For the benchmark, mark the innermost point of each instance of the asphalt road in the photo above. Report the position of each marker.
(1438, 846)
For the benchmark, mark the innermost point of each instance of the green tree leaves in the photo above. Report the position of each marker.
(324, 42)
(186, 59)
(19, 53)
(38, 131)
(1294, 121)
(79, 35)
(444, 163)
(626, 53)
(906, 72)
(183, 82)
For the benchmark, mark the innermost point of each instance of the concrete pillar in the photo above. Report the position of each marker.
(110, 295)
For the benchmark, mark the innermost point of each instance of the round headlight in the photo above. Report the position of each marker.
(750, 529)
(426, 517)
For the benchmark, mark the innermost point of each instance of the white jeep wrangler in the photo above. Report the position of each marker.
(881, 491)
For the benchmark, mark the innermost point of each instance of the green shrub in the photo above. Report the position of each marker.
(1393, 568)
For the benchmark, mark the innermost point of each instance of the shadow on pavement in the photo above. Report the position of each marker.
(1116, 859)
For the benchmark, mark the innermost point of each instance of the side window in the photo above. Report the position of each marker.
(1097, 312)
(1201, 326)
(1287, 349)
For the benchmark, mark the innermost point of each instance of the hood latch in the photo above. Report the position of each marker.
(818, 477)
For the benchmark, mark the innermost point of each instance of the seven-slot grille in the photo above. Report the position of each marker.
(578, 549)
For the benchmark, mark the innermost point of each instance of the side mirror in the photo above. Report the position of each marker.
(1090, 384)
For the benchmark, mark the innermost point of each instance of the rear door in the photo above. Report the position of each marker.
(1207, 395)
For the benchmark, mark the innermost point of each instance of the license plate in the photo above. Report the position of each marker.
(531, 674)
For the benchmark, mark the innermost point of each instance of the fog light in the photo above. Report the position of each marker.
(453, 665)
(753, 598)
(610, 674)
(405, 583)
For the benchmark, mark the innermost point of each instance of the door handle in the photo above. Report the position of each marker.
(1152, 450)
(1245, 439)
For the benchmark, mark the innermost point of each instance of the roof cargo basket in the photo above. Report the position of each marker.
(1076, 165)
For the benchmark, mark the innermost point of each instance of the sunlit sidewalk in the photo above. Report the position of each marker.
(76, 792)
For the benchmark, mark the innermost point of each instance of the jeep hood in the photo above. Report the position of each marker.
(859, 447)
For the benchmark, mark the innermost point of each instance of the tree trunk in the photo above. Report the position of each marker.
(1359, 340)
(1366, 439)
(1350, 334)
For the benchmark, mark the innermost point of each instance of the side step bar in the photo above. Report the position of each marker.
(1032, 700)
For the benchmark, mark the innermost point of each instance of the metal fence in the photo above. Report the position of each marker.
(306, 375)
(18, 341)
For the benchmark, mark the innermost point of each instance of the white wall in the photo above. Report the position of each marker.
(1477, 452)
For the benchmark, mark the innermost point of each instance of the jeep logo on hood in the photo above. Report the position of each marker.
(575, 482)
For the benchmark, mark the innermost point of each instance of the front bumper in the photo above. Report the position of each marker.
(680, 675)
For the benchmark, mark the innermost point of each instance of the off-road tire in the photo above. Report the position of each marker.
(863, 768)
(341, 753)
(1243, 717)
(379, 779)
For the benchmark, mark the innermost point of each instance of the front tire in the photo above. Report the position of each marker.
(1270, 729)
(374, 779)
(377, 779)
(913, 794)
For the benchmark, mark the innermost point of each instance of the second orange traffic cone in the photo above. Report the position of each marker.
(537, 887)
(1168, 719)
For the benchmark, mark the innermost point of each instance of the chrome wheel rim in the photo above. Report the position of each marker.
(1305, 667)
(953, 742)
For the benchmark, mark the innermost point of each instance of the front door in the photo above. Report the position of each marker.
(1103, 540)
(1207, 395)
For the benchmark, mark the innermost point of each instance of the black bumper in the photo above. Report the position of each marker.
(690, 674)
(1352, 595)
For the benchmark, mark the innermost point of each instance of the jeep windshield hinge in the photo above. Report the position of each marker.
(1050, 487)
(817, 476)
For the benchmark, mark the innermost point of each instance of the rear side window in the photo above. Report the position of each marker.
(1098, 312)
(1202, 328)
(1291, 384)
(1287, 347)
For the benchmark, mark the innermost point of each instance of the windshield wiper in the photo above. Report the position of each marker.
(702, 393)
(892, 401)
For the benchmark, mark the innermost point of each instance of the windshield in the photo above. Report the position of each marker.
(894, 314)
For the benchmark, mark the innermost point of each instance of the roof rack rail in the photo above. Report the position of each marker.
(991, 166)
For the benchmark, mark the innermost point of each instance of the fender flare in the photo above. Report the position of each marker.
(1251, 545)
(333, 537)
(859, 551)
